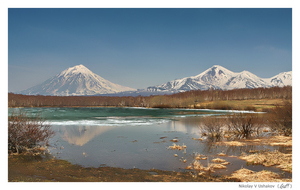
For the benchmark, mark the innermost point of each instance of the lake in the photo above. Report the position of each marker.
(135, 137)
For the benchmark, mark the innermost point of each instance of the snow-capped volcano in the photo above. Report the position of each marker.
(218, 77)
(77, 80)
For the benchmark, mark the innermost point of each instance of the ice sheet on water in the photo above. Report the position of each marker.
(109, 122)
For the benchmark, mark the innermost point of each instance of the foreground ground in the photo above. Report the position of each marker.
(22, 168)
(36, 168)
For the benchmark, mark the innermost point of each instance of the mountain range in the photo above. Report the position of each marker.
(218, 77)
(79, 80)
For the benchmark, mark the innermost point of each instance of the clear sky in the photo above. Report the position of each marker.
(145, 47)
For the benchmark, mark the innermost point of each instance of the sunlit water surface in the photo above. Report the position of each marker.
(135, 138)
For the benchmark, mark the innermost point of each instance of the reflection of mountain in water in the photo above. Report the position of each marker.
(186, 125)
(80, 135)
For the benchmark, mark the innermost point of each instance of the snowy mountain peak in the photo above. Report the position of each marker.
(76, 70)
(218, 67)
(215, 71)
(219, 77)
(214, 76)
(77, 80)
(282, 79)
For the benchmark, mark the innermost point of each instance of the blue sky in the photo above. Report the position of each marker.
(145, 47)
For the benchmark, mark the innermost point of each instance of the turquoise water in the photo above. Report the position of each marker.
(133, 137)
(111, 116)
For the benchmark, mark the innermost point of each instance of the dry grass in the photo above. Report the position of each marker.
(199, 139)
(197, 156)
(177, 147)
(218, 166)
(200, 157)
(282, 144)
(226, 136)
(201, 173)
(281, 160)
(231, 143)
(219, 160)
(272, 141)
(253, 151)
(281, 141)
(246, 175)
(221, 154)
(225, 163)
(258, 105)
(196, 165)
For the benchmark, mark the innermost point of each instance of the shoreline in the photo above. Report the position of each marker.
(255, 105)
(57, 170)
(184, 108)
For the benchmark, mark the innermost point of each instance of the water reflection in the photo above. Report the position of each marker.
(144, 147)
(185, 125)
(80, 135)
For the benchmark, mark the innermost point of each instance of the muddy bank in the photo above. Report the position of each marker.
(41, 169)
(38, 169)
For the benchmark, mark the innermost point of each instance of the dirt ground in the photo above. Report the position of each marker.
(26, 169)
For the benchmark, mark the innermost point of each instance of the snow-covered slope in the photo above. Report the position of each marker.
(218, 77)
(77, 80)
(282, 79)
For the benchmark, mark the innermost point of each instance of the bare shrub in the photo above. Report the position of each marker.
(280, 118)
(26, 133)
(213, 126)
(244, 124)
